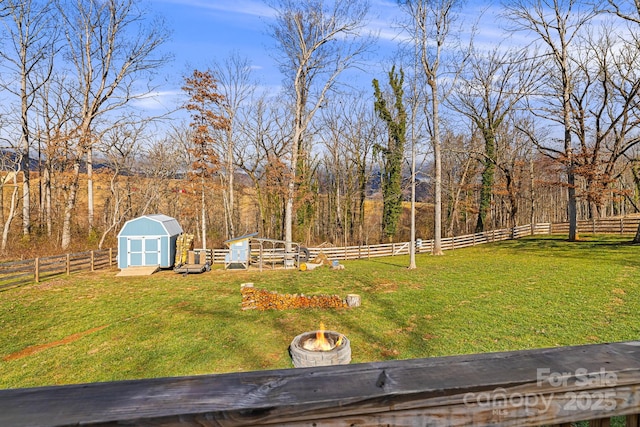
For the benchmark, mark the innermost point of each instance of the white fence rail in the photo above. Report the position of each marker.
(29, 271)
(622, 225)
(422, 246)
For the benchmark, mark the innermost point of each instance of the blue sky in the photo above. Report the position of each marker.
(208, 30)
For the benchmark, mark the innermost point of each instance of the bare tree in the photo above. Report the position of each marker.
(234, 83)
(33, 42)
(119, 147)
(113, 47)
(429, 28)
(513, 152)
(55, 125)
(317, 41)
(164, 164)
(605, 113)
(491, 89)
(460, 169)
(258, 153)
(10, 180)
(556, 24)
(628, 10)
(349, 129)
(10, 163)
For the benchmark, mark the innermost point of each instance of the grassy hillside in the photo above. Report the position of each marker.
(534, 292)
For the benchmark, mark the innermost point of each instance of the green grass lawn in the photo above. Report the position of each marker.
(529, 293)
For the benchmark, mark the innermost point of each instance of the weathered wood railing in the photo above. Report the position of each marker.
(553, 386)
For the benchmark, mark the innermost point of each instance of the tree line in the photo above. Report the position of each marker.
(457, 136)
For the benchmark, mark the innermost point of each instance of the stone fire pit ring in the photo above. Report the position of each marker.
(303, 358)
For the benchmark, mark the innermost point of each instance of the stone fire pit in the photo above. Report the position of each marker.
(320, 348)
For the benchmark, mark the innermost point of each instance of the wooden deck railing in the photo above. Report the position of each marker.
(553, 386)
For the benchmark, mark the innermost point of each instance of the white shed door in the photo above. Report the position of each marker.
(143, 251)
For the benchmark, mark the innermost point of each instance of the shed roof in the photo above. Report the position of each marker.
(169, 224)
(246, 236)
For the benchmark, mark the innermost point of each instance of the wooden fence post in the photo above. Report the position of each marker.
(111, 258)
(36, 273)
(92, 259)
(68, 264)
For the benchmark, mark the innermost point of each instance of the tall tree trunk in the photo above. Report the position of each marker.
(572, 202)
(12, 213)
(412, 247)
(47, 197)
(288, 212)
(437, 158)
(70, 206)
(230, 189)
(456, 200)
(532, 218)
(3, 182)
(636, 239)
(25, 161)
(362, 196)
(204, 215)
(488, 174)
(90, 209)
(301, 101)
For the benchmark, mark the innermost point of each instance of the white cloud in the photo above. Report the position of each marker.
(157, 100)
(240, 7)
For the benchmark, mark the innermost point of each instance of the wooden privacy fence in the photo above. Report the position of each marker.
(33, 270)
(554, 386)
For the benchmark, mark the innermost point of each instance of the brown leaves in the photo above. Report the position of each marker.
(206, 106)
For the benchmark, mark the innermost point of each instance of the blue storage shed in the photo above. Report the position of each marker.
(149, 240)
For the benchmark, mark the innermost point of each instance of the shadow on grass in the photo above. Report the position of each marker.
(391, 261)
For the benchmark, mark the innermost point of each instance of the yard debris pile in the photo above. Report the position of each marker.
(260, 299)
(321, 260)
